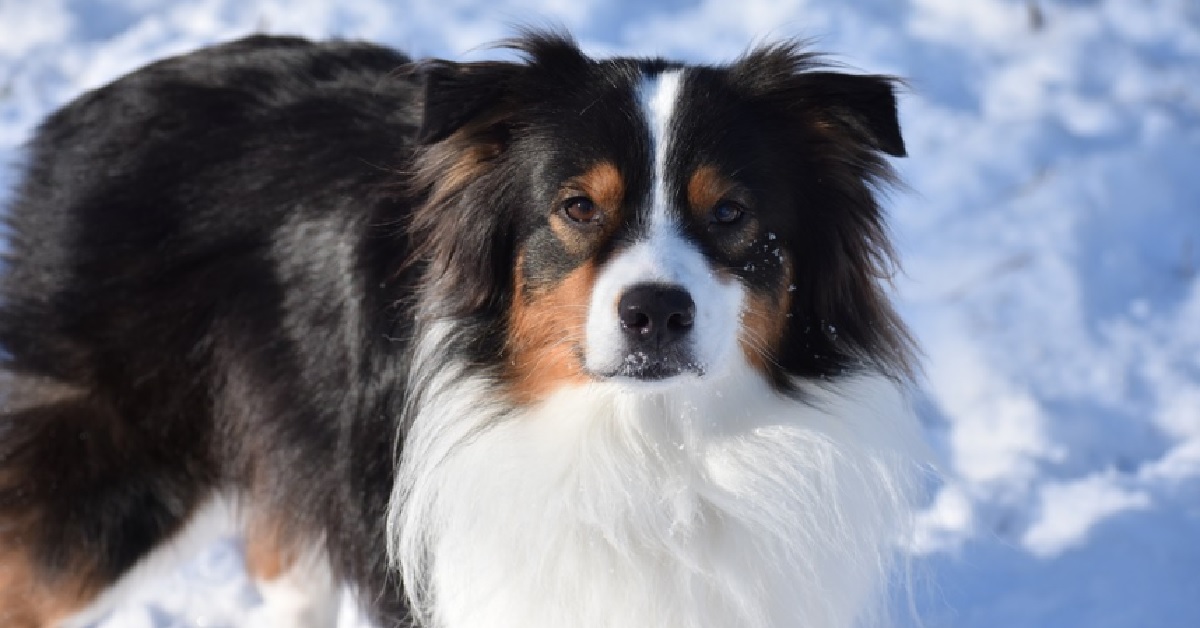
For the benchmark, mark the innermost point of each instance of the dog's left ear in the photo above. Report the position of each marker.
(864, 106)
(456, 93)
(789, 79)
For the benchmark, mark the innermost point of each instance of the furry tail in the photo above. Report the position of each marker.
(80, 501)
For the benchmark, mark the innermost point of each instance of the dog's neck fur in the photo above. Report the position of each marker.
(712, 504)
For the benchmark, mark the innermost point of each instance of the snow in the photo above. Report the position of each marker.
(1070, 509)
(1050, 237)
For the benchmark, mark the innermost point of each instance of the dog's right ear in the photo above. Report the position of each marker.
(456, 93)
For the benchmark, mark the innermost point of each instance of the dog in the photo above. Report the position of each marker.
(545, 342)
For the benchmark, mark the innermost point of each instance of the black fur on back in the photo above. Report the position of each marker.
(201, 267)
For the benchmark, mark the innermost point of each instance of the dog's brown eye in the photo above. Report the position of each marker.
(581, 209)
(727, 213)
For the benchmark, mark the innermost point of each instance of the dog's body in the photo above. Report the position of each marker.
(554, 343)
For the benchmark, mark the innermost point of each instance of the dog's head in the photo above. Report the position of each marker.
(646, 222)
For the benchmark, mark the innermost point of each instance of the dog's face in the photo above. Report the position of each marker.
(644, 222)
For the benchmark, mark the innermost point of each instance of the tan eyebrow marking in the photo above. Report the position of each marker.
(602, 183)
(706, 188)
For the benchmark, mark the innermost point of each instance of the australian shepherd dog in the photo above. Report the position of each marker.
(550, 342)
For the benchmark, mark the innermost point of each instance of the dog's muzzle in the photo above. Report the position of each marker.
(656, 321)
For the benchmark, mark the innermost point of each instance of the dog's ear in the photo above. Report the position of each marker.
(864, 106)
(860, 108)
(456, 93)
(463, 228)
(464, 131)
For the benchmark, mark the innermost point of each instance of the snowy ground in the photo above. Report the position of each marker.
(1051, 242)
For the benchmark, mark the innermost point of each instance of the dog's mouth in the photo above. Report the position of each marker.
(652, 367)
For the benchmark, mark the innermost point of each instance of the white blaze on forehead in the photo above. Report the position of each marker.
(663, 255)
(659, 95)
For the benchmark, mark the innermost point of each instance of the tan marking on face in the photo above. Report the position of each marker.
(764, 321)
(602, 183)
(705, 189)
(545, 334)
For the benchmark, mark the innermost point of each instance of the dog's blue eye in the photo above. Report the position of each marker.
(727, 213)
(581, 209)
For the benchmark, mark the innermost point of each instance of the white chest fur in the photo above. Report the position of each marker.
(717, 504)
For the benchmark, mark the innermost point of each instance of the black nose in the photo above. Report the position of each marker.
(656, 313)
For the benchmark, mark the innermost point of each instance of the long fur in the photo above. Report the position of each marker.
(715, 504)
(377, 303)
